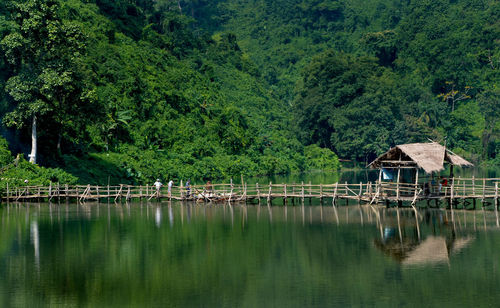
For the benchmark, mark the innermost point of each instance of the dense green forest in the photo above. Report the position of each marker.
(131, 90)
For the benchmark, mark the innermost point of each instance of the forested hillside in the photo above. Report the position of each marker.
(361, 76)
(131, 90)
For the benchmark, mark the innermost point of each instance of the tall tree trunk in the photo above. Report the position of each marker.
(33, 141)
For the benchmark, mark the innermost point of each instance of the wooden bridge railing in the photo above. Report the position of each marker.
(480, 188)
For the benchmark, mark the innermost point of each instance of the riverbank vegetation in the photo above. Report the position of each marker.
(134, 90)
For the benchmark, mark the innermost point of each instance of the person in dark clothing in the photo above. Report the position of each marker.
(208, 187)
(188, 188)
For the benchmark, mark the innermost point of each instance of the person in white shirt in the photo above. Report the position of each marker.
(158, 185)
(170, 184)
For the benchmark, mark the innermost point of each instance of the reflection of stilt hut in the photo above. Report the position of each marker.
(432, 250)
(401, 238)
(430, 157)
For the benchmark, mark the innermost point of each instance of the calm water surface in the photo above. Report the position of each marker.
(185, 254)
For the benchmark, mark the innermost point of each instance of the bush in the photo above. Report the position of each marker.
(320, 158)
(16, 171)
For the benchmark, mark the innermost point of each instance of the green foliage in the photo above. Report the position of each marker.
(360, 107)
(35, 175)
(321, 158)
(5, 155)
(489, 106)
(15, 172)
(347, 103)
(466, 127)
(47, 73)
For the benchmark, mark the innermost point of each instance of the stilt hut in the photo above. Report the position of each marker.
(429, 157)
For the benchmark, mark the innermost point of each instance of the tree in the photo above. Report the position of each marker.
(346, 103)
(453, 96)
(47, 84)
(490, 106)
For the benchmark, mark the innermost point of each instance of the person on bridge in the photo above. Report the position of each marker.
(209, 187)
(158, 185)
(188, 188)
(170, 184)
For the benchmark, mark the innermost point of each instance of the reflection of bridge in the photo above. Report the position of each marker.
(460, 189)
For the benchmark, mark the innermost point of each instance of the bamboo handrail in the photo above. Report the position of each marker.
(460, 188)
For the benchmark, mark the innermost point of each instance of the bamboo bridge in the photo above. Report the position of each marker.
(464, 190)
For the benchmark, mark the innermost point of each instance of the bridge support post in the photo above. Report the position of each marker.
(269, 194)
(496, 195)
(258, 192)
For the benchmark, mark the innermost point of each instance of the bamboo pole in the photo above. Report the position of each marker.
(464, 193)
(269, 194)
(284, 191)
(244, 191)
(397, 184)
(52, 195)
(89, 192)
(231, 193)
(118, 194)
(416, 183)
(335, 193)
(321, 194)
(484, 188)
(258, 191)
(302, 192)
(181, 189)
(496, 195)
(81, 196)
(399, 173)
(452, 191)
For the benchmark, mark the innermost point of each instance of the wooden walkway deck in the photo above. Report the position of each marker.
(459, 189)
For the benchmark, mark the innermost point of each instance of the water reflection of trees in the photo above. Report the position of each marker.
(216, 255)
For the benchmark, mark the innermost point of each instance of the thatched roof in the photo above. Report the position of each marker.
(428, 156)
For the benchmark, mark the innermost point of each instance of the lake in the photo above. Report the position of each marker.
(174, 254)
(186, 254)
